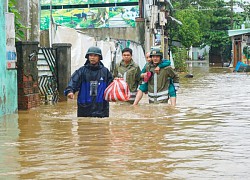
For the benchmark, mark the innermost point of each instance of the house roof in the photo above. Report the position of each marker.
(238, 32)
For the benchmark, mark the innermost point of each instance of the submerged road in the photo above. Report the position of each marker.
(205, 137)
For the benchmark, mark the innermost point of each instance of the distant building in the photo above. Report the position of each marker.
(240, 39)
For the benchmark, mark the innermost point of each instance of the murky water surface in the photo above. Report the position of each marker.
(207, 136)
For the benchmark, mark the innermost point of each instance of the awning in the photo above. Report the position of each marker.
(238, 32)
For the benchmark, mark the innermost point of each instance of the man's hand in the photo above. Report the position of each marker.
(70, 95)
(157, 70)
(143, 75)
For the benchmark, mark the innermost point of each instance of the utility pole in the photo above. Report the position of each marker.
(51, 25)
(232, 13)
(157, 25)
(157, 15)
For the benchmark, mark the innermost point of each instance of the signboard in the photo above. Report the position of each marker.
(101, 14)
(11, 65)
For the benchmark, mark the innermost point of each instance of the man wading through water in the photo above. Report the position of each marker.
(143, 88)
(90, 80)
(130, 71)
(159, 85)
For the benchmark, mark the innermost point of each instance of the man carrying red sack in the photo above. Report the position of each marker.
(129, 71)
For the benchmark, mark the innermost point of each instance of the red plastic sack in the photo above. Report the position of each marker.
(118, 90)
(148, 76)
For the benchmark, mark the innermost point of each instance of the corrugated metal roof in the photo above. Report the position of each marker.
(238, 32)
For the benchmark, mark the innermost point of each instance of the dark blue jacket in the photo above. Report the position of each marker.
(91, 82)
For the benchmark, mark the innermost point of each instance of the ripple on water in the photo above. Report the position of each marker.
(204, 137)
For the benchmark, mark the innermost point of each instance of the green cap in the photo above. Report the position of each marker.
(94, 50)
(156, 52)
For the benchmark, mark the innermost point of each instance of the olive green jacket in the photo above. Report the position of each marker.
(132, 72)
(159, 93)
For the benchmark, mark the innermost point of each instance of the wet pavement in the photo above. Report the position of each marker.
(205, 137)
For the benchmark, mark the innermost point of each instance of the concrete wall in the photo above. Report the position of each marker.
(136, 34)
(8, 78)
(2, 61)
(27, 73)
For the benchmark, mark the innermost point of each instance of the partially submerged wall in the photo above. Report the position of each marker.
(2, 61)
(8, 78)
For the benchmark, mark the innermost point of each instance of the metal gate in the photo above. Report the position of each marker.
(47, 75)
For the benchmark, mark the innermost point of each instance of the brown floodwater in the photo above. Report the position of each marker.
(207, 136)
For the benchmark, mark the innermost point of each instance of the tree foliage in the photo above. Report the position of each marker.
(18, 25)
(219, 25)
(189, 33)
(205, 22)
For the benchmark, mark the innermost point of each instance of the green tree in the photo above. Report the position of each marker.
(189, 32)
(205, 22)
(217, 37)
(18, 25)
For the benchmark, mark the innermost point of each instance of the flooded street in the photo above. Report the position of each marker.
(207, 136)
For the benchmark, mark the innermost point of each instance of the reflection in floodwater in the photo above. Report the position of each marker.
(205, 137)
